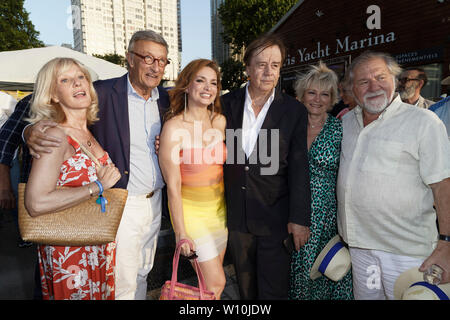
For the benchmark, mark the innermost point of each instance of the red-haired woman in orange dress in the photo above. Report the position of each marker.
(191, 155)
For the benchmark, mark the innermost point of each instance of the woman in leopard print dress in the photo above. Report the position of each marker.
(317, 89)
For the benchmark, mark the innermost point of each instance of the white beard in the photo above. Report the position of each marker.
(407, 92)
(377, 105)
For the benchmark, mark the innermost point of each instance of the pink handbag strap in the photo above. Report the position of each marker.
(176, 258)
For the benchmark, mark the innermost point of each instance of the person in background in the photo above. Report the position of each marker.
(64, 94)
(10, 141)
(266, 200)
(9, 168)
(394, 165)
(442, 109)
(410, 83)
(192, 166)
(9, 178)
(347, 98)
(7, 105)
(317, 90)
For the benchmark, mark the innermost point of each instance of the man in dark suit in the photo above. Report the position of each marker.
(130, 117)
(266, 175)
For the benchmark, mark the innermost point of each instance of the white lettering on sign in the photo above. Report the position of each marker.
(346, 44)
(374, 21)
(343, 45)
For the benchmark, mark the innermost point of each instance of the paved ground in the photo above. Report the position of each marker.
(17, 265)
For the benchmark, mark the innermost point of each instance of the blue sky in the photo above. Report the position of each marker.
(51, 19)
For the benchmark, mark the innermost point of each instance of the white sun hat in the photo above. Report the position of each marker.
(333, 261)
(411, 286)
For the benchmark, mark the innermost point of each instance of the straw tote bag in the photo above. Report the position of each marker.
(173, 290)
(80, 225)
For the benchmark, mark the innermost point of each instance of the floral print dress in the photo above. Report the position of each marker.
(77, 273)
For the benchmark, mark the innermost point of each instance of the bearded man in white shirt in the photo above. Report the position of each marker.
(395, 163)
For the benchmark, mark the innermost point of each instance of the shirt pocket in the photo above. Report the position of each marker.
(383, 157)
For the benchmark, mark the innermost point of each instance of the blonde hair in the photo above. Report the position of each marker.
(42, 106)
(321, 76)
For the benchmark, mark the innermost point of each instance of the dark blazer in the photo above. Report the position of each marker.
(264, 204)
(113, 129)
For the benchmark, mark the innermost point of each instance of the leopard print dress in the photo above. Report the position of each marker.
(323, 158)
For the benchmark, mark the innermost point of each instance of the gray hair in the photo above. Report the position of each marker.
(392, 65)
(319, 75)
(148, 35)
(421, 76)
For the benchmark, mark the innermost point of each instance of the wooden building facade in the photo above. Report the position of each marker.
(415, 32)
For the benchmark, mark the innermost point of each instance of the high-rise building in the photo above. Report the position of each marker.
(106, 26)
(220, 50)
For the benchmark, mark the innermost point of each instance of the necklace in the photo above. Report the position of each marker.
(316, 126)
(319, 125)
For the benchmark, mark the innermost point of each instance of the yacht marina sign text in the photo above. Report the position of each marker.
(343, 45)
(346, 44)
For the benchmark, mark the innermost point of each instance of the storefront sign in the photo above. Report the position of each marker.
(343, 45)
(419, 56)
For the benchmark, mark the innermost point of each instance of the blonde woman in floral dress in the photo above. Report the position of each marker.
(64, 93)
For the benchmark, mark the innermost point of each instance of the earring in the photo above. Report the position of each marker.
(212, 110)
(185, 106)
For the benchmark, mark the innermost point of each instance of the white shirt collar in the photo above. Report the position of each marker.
(248, 98)
(131, 91)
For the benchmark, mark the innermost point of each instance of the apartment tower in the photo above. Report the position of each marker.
(106, 26)
(220, 50)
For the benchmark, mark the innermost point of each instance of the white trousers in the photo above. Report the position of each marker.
(136, 242)
(375, 272)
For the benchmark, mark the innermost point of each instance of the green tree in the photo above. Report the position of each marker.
(233, 75)
(113, 58)
(244, 21)
(16, 30)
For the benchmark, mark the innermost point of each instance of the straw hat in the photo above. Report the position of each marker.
(411, 286)
(333, 262)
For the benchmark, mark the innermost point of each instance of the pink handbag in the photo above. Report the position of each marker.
(173, 290)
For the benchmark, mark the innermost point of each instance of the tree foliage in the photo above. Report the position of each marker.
(113, 58)
(244, 21)
(16, 30)
(233, 75)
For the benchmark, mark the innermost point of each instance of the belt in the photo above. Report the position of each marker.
(144, 195)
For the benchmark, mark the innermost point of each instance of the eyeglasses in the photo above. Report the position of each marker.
(150, 60)
(405, 80)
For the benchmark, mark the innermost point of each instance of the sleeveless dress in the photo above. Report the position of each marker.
(202, 192)
(323, 158)
(77, 273)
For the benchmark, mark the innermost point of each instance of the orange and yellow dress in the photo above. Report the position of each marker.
(202, 192)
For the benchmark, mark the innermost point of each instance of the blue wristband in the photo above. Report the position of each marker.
(101, 200)
(100, 187)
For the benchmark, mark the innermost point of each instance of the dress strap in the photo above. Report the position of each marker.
(87, 152)
(74, 144)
